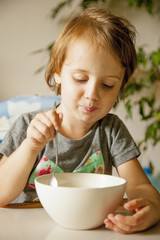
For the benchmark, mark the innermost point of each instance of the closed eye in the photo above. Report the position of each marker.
(80, 80)
(107, 86)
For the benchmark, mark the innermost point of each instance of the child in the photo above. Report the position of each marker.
(90, 63)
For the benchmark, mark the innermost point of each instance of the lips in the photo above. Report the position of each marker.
(89, 109)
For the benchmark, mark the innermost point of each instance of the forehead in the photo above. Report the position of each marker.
(87, 54)
(82, 47)
(77, 49)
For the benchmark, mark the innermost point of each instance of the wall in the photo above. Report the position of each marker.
(25, 26)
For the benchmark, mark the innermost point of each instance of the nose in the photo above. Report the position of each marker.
(91, 91)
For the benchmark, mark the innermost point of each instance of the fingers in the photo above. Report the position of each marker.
(54, 118)
(116, 226)
(136, 204)
(130, 224)
(125, 224)
(42, 128)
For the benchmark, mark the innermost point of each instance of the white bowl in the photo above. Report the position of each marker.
(81, 200)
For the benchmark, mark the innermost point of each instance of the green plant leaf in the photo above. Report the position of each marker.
(59, 7)
(40, 69)
(141, 57)
(128, 108)
(49, 47)
(149, 4)
(86, 3)
(155, 58)
(153, 132)
(158, 115)
(146, 102)
(151, 167)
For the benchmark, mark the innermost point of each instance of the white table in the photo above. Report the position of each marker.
(35, 224)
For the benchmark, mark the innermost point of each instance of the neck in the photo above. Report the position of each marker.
(72, 131)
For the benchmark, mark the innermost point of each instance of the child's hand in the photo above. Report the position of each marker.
(146, 215)
(42, 129)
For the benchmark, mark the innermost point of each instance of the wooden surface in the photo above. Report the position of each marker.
(24, 205)
(39, 205)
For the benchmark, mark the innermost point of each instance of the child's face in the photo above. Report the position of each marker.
(90, 82)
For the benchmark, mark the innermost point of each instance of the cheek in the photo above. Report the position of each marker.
(115, 93)
(109, 103)
(68, 86)
(110, 98)
(69, 91)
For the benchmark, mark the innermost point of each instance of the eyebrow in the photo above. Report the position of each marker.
(79, 70)
(113, 76)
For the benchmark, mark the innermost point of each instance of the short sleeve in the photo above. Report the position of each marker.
(14, 137)
(123, 146)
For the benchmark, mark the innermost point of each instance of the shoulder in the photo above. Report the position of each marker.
(17, 133)
(110, 121)
(113, 127)
(22, 122)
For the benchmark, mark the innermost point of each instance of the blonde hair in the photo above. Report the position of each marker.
(102, 28)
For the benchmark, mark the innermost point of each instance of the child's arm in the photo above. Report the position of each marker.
(143, 198)
(15, 170)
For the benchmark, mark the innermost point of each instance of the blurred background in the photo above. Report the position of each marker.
(28, 29)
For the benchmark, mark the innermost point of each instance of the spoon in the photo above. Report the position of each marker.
(53, 181)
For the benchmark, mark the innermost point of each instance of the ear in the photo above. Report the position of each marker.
(57, 79)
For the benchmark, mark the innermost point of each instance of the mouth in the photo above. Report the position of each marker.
(89, 109)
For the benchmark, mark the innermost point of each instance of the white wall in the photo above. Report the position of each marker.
(25, 26)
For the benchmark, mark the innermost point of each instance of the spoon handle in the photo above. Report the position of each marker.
(56, 144)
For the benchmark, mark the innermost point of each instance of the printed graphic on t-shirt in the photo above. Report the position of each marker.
(94, 164)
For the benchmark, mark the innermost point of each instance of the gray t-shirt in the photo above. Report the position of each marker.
(107, 144)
